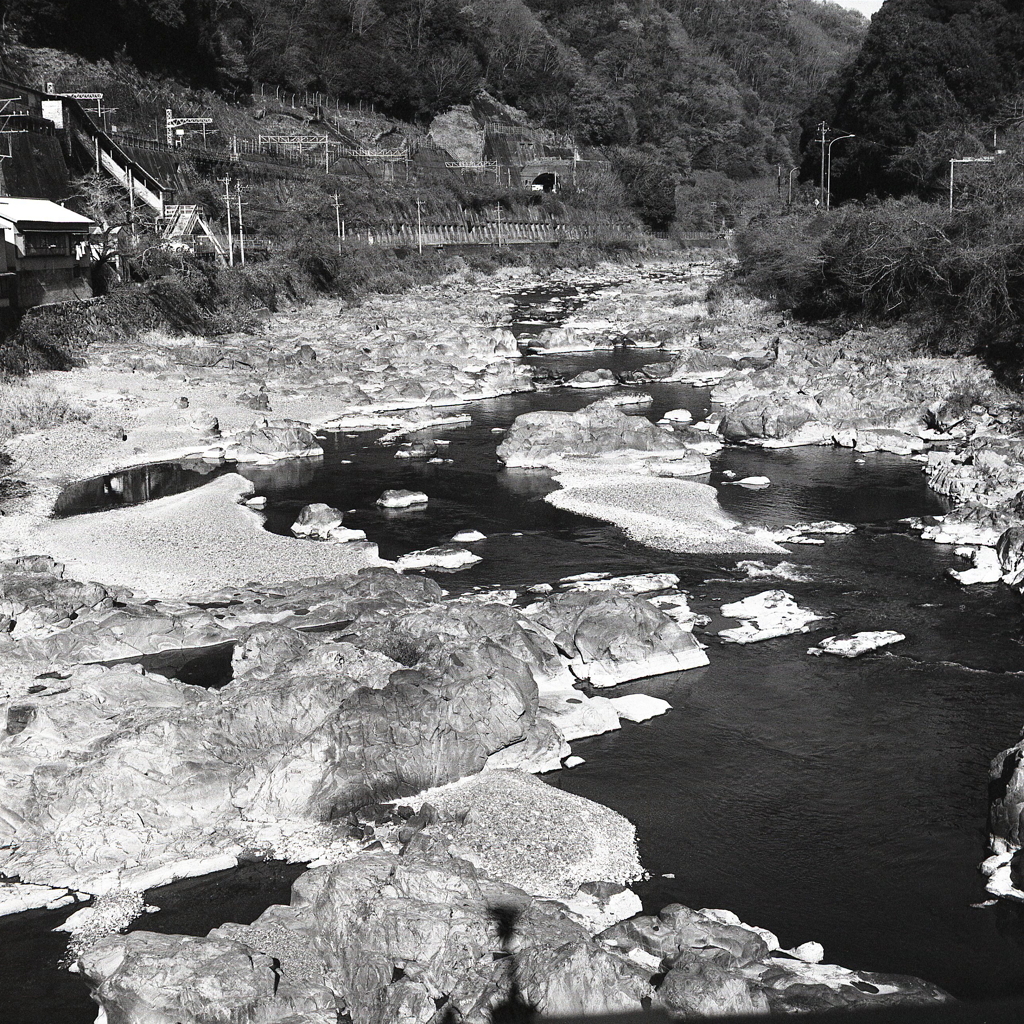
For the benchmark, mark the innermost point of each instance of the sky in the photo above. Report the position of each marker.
(866, 7)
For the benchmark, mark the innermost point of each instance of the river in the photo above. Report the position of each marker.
(841, 801)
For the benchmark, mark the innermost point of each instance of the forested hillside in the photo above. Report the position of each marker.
(704, 85)
(934, 79)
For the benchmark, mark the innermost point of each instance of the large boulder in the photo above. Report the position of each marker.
(698, 987)
(715, 965)
(1010, 549)
(1006, 790)
(610, 638)
(504, 625)
(775, 416)
(148, 978)
(266, 442)
(382, 938)
(316, 521)
(544, 438)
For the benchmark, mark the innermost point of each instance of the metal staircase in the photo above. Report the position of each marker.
(177, 222)
(183, 221)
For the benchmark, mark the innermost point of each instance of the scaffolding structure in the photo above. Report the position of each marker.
(299, 143)
(176, 125)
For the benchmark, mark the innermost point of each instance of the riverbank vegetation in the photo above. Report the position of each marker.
(956, 279)
(187, 295)
(935, 82)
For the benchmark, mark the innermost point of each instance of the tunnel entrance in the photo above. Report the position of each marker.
(546, 182)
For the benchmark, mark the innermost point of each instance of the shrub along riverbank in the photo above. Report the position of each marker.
(199, 297)
(955, 280)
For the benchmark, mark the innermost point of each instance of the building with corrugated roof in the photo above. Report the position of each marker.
(44, 253)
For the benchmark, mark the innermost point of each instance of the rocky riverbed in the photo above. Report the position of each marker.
(379, 729)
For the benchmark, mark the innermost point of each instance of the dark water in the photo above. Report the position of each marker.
(842, 801)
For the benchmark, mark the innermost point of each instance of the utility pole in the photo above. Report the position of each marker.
(131, 199)
(419, 224)
(823, 128)
(499, 225)
(337, 218)
(241, 230)
(227, 203)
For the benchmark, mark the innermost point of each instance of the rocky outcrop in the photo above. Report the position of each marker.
(268, 442)
(309, 741)
(610, 638)
(775, 416)
(118, 776)
(567, 339)
(986, 471)
(545, 438)
(423, 937)
(1004, 869)
(383, 938)
(1010, 550)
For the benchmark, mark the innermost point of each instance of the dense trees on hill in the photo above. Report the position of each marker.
(934, 79)
(714, 85)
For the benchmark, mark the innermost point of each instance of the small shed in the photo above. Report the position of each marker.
(44, 253)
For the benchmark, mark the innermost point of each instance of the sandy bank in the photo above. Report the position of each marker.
(675, 515)
(188, 543)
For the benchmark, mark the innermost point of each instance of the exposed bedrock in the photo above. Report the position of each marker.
(769, 416)
(424, 936)
(111, 773)
(546, 438)
(813, 391)
(1004, 869)
(611, 638)
(117, 760)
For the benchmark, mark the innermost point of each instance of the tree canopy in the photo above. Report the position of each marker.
(934, 79)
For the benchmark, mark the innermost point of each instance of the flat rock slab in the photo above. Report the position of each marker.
(17, 897)
(853, 645)
(446, 556)
(639, 707)
(640, 583)
(402, 499)
(765, 616)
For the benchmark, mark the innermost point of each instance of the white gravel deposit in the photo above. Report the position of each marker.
(676, 515)
(189, 543)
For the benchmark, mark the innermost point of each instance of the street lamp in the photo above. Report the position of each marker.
(828, 187)
(966, 160)
(791, 173)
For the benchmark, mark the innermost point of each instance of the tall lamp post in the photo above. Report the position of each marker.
(828, 188)
(965, 160)
(791, 173)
